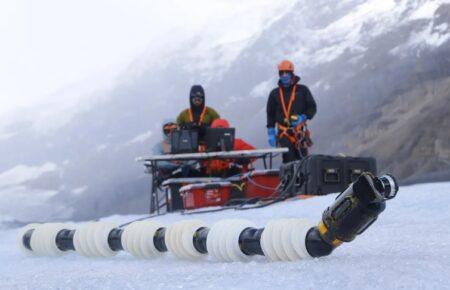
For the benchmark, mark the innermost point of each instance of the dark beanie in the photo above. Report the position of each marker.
(197, 90)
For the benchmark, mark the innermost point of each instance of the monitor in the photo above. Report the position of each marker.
(219, 139)
(184, 141)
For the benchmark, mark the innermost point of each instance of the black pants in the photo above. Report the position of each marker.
(294, 153)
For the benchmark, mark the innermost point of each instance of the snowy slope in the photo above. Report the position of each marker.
(407, 248)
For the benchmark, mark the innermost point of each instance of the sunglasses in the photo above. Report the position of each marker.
(169, 129)
(284, 72)
(197, 100)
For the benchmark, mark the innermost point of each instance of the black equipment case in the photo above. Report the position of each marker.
(354, 166)
(323, 174)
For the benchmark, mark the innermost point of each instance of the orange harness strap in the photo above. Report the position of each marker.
(296, 135)
(202, 115)
(284, 130)
(284, 133)
(287, 111)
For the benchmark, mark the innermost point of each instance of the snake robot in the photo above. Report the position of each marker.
(229, 240)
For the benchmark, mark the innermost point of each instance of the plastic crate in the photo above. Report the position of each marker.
(172, 188)
(261, 183)
(205, 194)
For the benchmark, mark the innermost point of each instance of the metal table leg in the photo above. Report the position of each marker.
(154, 190)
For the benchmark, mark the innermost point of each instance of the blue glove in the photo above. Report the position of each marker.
(301, 119)
(272, 137)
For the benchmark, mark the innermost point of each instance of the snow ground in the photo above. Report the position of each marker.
(407, 248)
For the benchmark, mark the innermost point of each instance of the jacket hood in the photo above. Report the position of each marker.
(197, 92)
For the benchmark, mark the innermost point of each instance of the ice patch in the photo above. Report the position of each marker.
(101, 147)
(23, 203)
(426, 37)
(26, 204)
(261, 90)
(232, 100)
(22, 173)
(442, 28)
(140, 138)
(63, 105)
(79, 190)
(6, 218)
(352, 31)
(235, 26)
(6, 136)
(430, 36)
(321, 84)
(425, 11)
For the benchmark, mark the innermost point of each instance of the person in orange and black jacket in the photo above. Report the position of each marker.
(289, 105)
(220, 167)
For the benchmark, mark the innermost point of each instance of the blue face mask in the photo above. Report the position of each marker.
(286, 80)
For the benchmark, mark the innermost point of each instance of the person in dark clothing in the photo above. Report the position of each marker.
(289, 106)
(198, 114)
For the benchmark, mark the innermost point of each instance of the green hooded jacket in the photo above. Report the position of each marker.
(210, 115)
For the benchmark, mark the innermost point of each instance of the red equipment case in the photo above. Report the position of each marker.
(172, 187)
(205, 194)
(261, 183)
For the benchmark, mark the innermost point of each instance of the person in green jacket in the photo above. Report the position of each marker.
(198, 114)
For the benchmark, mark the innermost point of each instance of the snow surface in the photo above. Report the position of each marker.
(407, 248)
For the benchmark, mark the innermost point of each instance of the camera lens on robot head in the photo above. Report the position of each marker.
(390, 186)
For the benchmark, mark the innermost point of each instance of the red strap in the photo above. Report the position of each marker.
(191, 116)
